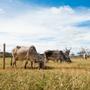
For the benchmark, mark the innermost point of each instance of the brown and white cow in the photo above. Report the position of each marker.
(25, 53)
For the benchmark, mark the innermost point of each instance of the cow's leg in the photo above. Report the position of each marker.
(57, 60)
(85, 58)
(14, 63)
(61, 60)
(47, 60)
(31, 64)
(26, 64)
(11, 61)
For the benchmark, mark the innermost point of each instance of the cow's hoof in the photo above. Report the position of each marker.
(24, 67)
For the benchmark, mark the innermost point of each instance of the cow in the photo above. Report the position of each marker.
(84, 56)
(25, 53)
(56, 55)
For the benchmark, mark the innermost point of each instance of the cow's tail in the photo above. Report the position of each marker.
(11, 61)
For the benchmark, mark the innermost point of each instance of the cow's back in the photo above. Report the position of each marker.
(20, 53)
(52, 55)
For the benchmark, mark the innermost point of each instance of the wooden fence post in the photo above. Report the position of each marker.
(4, 47)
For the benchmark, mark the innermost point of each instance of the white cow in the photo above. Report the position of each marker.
(25, 53)
(85, 56)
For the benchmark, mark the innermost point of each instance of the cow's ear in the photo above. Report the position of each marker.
(70, 48)
(66, 49)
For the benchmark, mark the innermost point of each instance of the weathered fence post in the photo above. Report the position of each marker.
(4, 47)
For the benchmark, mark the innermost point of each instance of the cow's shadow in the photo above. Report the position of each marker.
(36, 68)
(47, 68)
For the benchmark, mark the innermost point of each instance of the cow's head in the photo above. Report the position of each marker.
(67, 51)
(64, 57)
(68, 59)
(32, 49)
(67, 54)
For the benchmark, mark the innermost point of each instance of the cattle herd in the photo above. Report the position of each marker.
(30, 54)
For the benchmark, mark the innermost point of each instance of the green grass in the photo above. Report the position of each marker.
(56, 76)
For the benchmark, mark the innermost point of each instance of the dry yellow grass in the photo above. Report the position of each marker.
(56, 76)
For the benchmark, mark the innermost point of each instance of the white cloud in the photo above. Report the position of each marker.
(58, 23)
(2, 11)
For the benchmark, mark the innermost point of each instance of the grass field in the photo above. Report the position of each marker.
(56, 76)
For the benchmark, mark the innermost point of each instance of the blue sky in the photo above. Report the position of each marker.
(56, 3)
(47, 24)
(84, 24)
